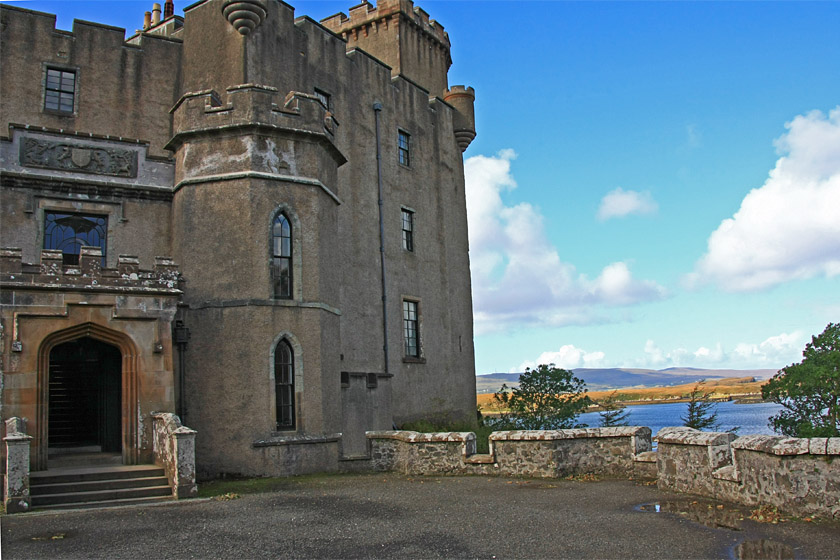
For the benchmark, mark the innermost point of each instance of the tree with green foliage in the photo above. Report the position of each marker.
(810, 390)
(548, 398)
(612, 411)
(700, 414)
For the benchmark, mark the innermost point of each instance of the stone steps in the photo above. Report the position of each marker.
(98, 486)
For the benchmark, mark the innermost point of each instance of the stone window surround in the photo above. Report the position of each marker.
(420, 357)
(64, 68)
(297, 361)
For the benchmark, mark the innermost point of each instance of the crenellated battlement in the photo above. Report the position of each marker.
(400, 35)
(89, 274)
(250, 105)
(365, 16)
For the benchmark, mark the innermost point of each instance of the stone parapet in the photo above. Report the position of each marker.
(89, 274)
(798, 475)
(538, 453)
(251, 105)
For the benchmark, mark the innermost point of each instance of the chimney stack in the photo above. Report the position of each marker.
(155, 13)
(147, 20)
(168, 9)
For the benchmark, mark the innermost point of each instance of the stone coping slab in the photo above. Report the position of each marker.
(779, 445)
(690, 436)
(574, 433)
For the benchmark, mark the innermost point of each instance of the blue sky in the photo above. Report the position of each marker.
(653, 184)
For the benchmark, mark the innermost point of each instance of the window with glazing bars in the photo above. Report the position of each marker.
(410, 330)
(70, 232)
(284, 385)
(281, 265)
(60, 90)
(404, 147)
(408, 230)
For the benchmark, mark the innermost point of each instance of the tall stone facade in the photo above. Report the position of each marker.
(257, 220)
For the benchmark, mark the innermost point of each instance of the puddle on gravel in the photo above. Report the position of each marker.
(722, 516)
(763, 549)
(706, 513)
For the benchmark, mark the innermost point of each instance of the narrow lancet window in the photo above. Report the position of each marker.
(281, 265)
(284, 385)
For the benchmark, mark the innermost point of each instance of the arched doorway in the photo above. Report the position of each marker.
(85, 397)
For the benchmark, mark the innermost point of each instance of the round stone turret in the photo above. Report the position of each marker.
(463, 100)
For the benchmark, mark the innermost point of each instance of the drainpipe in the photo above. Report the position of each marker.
(377, 108)
(181, 336)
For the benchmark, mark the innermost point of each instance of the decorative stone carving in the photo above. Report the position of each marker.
(244, 15)
(78, 158)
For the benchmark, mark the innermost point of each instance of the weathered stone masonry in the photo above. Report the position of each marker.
(800, 476)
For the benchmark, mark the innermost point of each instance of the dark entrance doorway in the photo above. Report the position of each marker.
(85, 404)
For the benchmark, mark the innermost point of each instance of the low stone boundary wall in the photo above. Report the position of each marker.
(800, 476)
(620, 451)
(174, 447)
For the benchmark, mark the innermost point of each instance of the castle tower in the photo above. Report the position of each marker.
(400, 35)
(254, 219)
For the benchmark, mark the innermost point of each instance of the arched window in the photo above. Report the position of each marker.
(281, 261)
(284, 385)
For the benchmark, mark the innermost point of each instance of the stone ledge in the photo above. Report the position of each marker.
(690, 436)
(417, 437)
(646, 457)
(296, 440)
(480, 459)
(728, 472)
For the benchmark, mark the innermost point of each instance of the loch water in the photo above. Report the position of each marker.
(748, 418)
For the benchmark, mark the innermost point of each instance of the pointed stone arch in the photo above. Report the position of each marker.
(130, 387)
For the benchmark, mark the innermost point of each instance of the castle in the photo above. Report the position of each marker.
(252, 220)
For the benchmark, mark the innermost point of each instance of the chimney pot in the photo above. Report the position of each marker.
(155, 13)
(147, 20)
(168, 9)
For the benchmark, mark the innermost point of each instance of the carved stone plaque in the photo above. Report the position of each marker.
(77, 158)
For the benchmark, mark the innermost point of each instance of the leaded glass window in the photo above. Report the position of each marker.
(70, 232)
(281, 265)
(410, 330)
(284, 385)
(60, 90)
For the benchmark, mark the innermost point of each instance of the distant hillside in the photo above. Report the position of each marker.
(619, 378)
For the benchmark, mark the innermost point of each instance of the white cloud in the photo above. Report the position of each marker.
(619, 203)
(517, 275)
(567, 357)
(789, 228)
(774, 352)
(782, 349)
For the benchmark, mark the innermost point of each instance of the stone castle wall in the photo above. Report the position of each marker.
(799, 476)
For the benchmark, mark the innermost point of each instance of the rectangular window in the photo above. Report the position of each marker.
(60, 90)
(324, 97)
(404, 148)
(70, 232)
(408, 230)
(410, 329)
